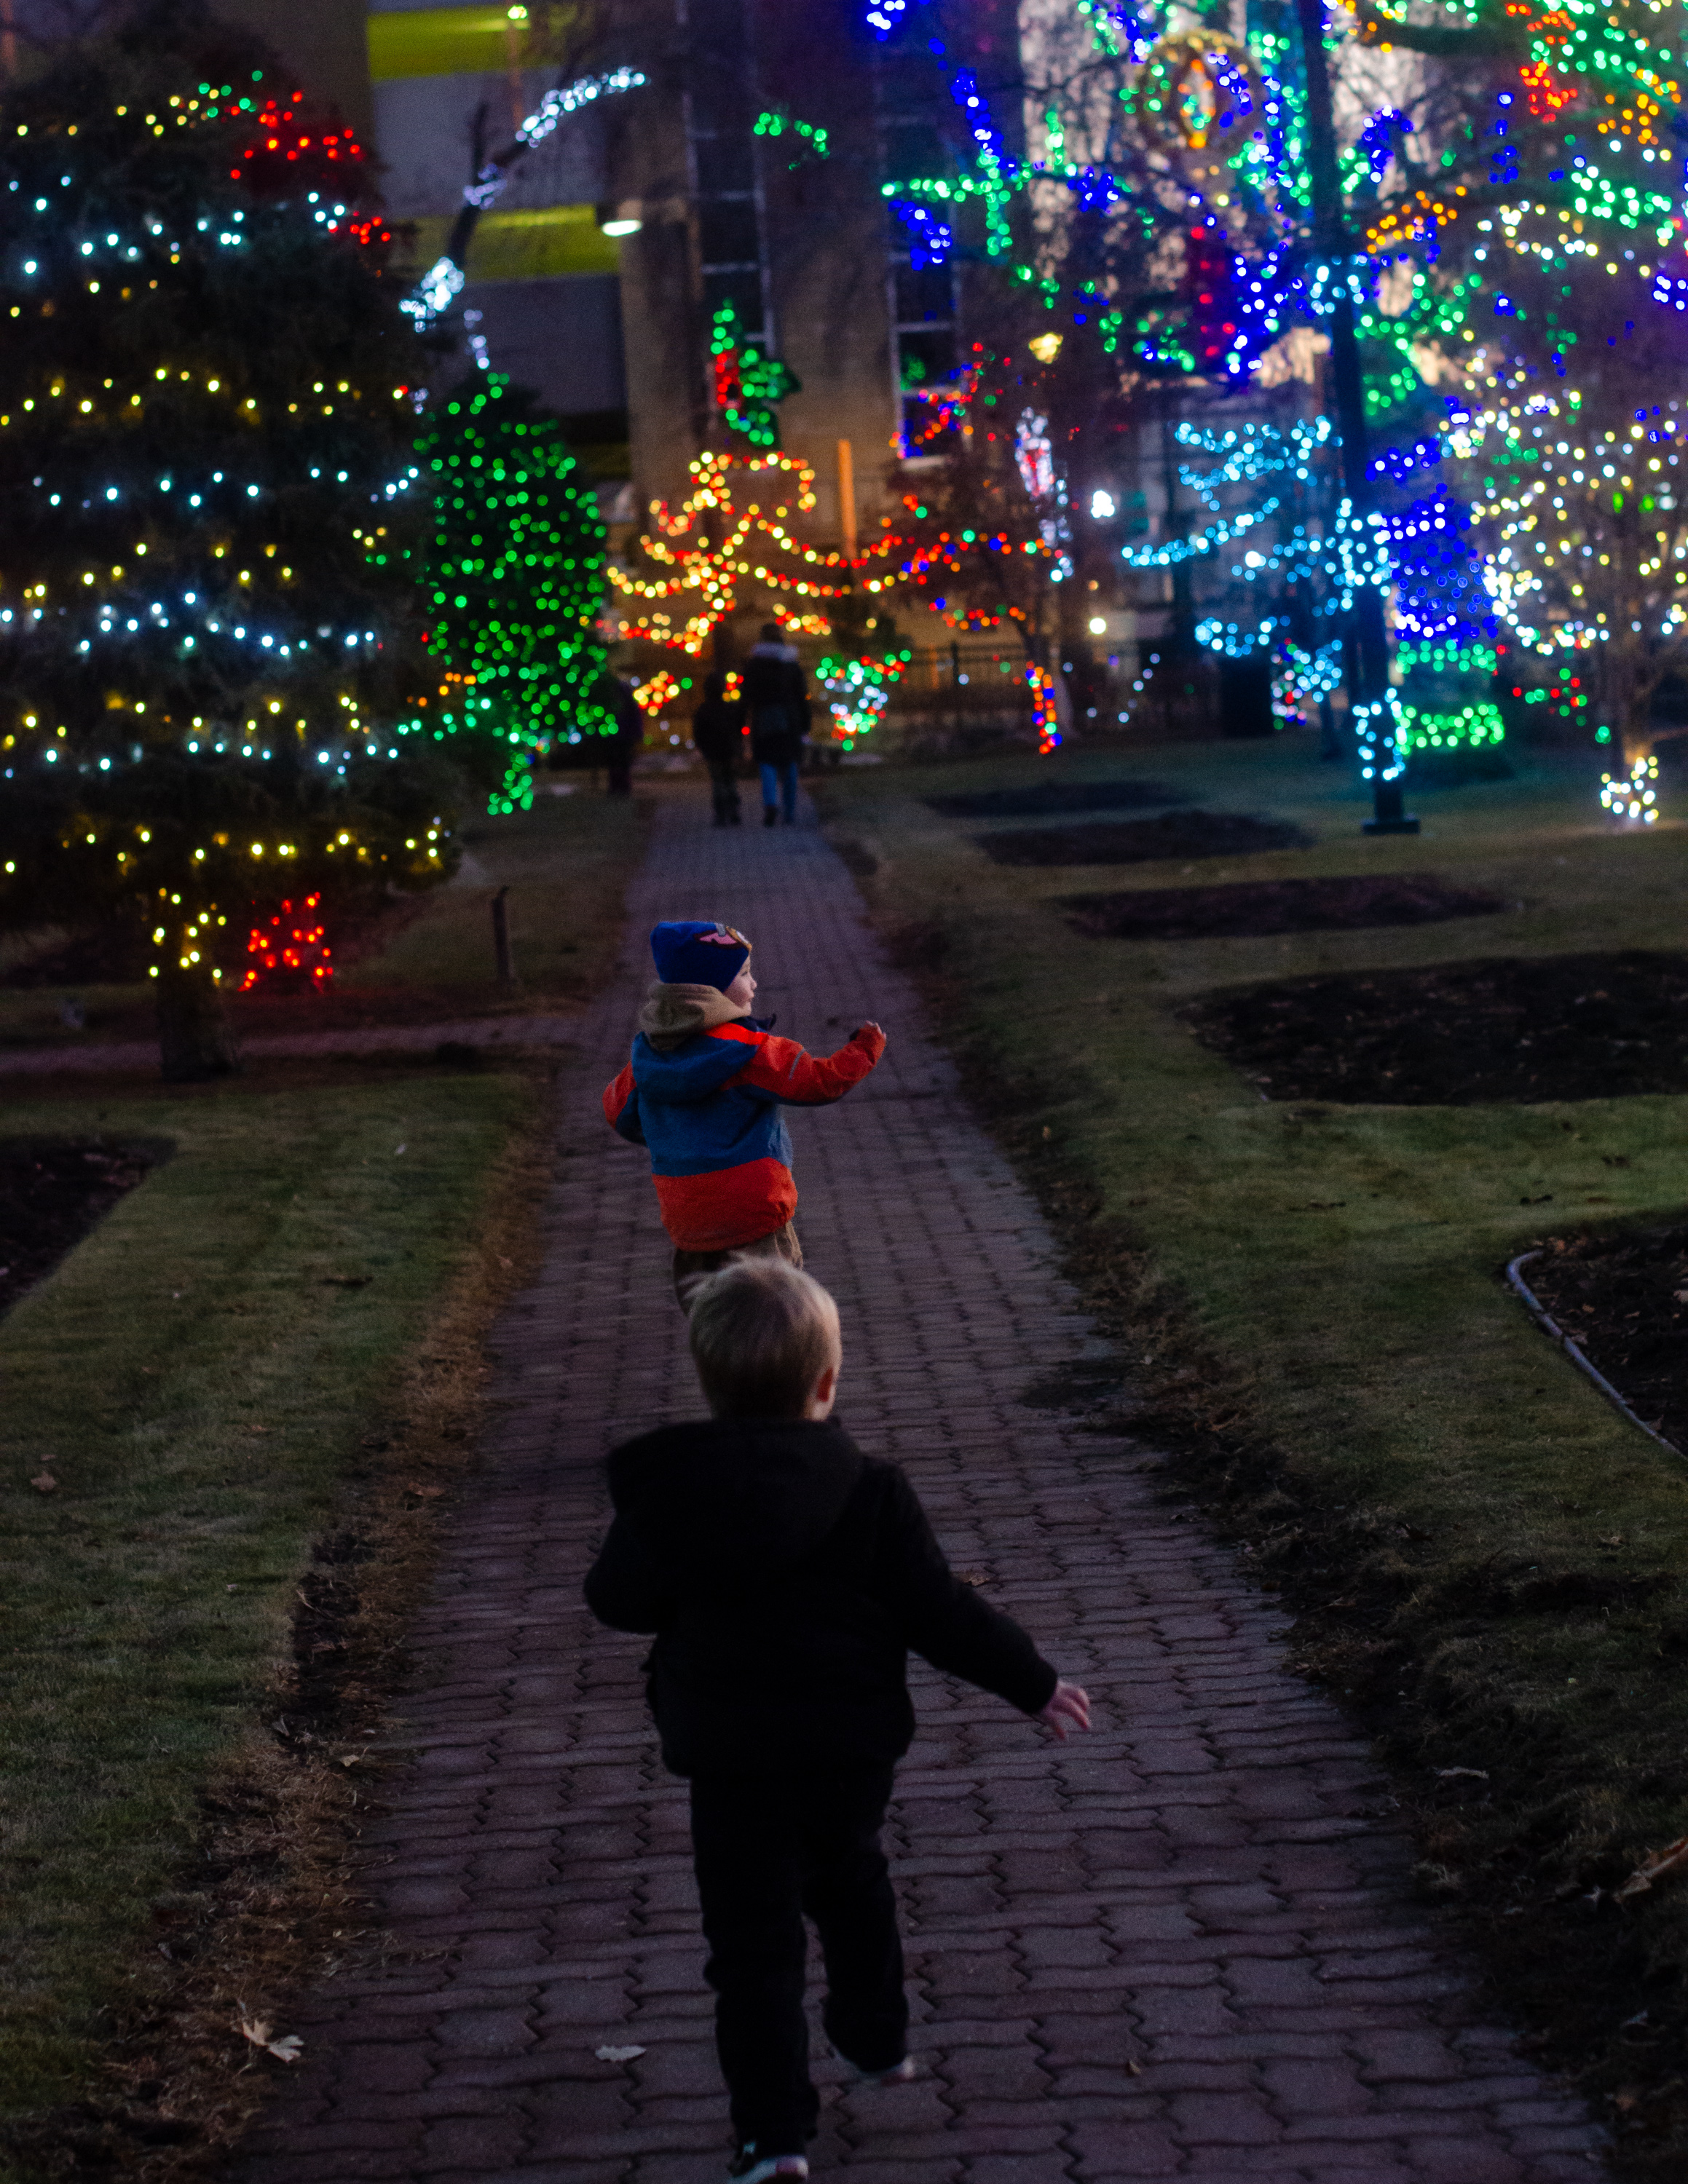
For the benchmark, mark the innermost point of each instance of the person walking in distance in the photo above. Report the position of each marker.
(777, 698)
(717, 731)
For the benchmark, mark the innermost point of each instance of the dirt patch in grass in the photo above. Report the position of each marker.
(1624, 1301)
(1046, 799)
(1503, 1030)
(51, 1194)
(1267, 906)
(1142, 841)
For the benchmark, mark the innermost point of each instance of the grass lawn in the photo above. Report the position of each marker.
(564, 863)
(1486, 1557)
(198, 1376)
(431, 956)
(255, 1385)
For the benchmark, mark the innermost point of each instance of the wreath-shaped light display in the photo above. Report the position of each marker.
(1202, 94)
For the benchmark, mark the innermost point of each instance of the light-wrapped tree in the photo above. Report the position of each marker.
(207, 702)
(513, 578)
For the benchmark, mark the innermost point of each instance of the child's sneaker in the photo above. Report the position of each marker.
(899, 2073)
(750, 2167)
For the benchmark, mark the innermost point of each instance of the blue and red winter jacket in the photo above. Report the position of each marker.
(703, 1090)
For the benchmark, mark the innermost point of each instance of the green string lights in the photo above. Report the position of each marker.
(747, 384)
(812, 138)
(513, 585)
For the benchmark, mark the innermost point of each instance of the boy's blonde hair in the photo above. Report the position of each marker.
(762, 1334)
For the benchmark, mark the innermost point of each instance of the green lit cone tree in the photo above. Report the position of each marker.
(512, 586)
(208, 666)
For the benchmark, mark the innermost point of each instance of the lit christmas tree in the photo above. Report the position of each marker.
(512, 586)
(206, 467)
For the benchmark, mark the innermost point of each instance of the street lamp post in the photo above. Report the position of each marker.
(1367, 649)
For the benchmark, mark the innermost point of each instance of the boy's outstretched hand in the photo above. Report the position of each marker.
(869, 1031)
(1069, 1704)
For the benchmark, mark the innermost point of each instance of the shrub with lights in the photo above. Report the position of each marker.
(512, 582)
(206, 473)
(1585, 510)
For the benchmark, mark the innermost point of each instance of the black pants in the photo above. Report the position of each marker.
(621, 777)
(725, 790)
(768, 1850)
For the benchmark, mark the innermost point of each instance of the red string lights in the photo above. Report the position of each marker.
(292, 948)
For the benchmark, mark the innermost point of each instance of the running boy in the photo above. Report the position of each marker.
(703, 1091)
(785, 1576)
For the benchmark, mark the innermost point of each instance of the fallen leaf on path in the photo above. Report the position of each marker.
(1462, 1774)
(618, 2054)
(424, 1493)
(260, 2033)
(974, 1577)
(1673, 1859)
(44, 1483)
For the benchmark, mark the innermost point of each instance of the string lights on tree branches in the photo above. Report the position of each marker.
(205, 471)
(512, 580)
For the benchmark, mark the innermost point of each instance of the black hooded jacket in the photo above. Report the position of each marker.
(786, 1576)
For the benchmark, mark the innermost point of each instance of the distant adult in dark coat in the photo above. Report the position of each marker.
(624, 745)
(717, 730)
(778, 697)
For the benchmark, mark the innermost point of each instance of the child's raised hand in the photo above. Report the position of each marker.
(1068, 1704)
(876, 1030)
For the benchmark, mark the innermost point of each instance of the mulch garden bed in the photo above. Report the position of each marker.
(1624, 1301)
(1192, 833)
(1048, 800)
(1265, 906)
(1461, 1034)
(51, 1195)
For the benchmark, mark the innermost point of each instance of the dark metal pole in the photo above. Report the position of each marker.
(1367, 649)
(500, 937)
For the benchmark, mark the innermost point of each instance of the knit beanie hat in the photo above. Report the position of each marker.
(690, 951)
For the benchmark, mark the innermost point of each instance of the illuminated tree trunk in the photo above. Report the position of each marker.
(195, 1040)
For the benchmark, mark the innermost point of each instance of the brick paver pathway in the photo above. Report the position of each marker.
(1181, 1948)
